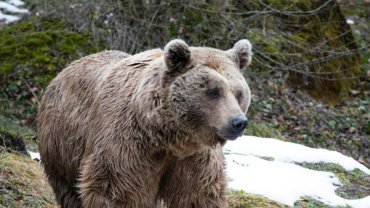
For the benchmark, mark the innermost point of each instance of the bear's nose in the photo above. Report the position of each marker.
(239, 123)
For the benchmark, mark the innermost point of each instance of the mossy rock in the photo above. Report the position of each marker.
(16, 129)
(23, 183)
(32, 53)
(11, 142)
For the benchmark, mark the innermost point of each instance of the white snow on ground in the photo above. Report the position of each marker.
(8, 18)
(34, 155)
(282, 180)
(16, 2)
(290, 152)
(11, 6)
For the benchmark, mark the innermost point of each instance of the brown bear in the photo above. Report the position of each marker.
(144, 130)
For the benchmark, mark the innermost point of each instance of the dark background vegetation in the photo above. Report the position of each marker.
(309, 76)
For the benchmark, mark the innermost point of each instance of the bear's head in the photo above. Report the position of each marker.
(207, 90)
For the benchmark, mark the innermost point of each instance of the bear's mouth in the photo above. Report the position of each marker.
(230, 137)
(220, 140)
(229, 133)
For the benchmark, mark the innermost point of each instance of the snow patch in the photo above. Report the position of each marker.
(282, 180)
(290, 152)
(16, 2)
(11, 6)
(8, 18)
(34, 155)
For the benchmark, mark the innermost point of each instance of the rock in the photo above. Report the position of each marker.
(11, 142)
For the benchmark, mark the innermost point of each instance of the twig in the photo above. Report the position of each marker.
(30, 89)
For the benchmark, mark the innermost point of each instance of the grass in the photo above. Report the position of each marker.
(22, 182)
(308, 202)
(263, 129)
(241, 199)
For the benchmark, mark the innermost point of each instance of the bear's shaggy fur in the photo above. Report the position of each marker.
(136, 131)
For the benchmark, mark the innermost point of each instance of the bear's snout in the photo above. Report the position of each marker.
(239, 123)
(235, 128)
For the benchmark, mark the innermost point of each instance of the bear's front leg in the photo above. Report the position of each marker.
(104, 183)
(196, 181)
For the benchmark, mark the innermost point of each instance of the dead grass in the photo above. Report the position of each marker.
(23, 183)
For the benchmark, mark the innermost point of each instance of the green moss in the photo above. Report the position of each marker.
(33, 52)
(241, 199)
(39, 46)
(23, 183)
(262, 129)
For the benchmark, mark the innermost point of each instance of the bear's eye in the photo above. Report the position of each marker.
(239, 96)
(214, 93)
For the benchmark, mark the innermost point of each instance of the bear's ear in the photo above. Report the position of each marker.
(241, 53)
(176, 55)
